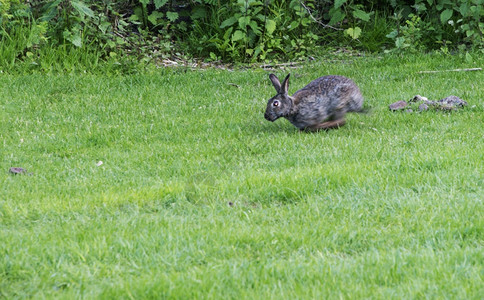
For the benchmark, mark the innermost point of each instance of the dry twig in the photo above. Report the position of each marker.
(454, 70)
(287, 65)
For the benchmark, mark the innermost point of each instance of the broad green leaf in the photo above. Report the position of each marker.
(255, 27)
(359, 14)
(73, 37)
(270, 26)
(445, 15)
(159, 3)
(257, 51)
(138, 11)
(154, 16)
(349, 32)
(238, 35)
(244, 21)
(82, 9)
(400, 42)
(338, 3)
(336, 16)
(419, 7)
(392, 35)
(228, 33)
(133, 18)
(229, 22)
(475, 9)
(50, 10)
(442, 3)
(293, 25)
(354, 33)
(464, 9)
(104, 26)
(172, 16)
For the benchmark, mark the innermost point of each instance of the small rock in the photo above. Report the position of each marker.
(16, 170)
(399, 105)
(418, 98)
(409, 110)
(452, 101)
(423, 107)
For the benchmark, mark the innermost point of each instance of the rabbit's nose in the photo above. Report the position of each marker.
(269, 118)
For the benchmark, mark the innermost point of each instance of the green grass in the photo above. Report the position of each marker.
(389, 206)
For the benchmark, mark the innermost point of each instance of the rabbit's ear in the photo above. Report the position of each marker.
(285, 85)
(275, 82)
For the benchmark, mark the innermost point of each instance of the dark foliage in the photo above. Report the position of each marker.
(241, 30)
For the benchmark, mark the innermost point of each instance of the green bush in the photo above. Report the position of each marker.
(250, 30)
(430, 24)
(241, 30)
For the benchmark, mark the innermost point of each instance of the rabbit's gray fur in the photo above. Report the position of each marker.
(322, 104)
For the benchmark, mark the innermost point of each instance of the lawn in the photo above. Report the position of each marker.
(171, 184)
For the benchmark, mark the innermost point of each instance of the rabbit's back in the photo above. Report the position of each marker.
(324, 98)
(331, 91)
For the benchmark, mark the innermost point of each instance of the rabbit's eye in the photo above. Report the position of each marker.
(275, 103)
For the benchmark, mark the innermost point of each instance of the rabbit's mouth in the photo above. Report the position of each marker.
(269, 118)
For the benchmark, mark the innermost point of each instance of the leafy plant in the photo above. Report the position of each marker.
(409, 36)
(240, 30)
(246, 29)
(70, 19)
(350, 12)
(13, 13)
(439, 22)
(259, 30)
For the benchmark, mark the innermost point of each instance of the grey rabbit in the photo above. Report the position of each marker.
(322, 104)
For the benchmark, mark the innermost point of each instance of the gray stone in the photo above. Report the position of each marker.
(418, 98)
(399, 105)
(452, 101)
(449, 103)
(423, 107)
(16, 170)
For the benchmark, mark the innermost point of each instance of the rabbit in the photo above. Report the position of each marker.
(322, 104)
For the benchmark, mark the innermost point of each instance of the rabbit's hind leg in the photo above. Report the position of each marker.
(335, 124)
